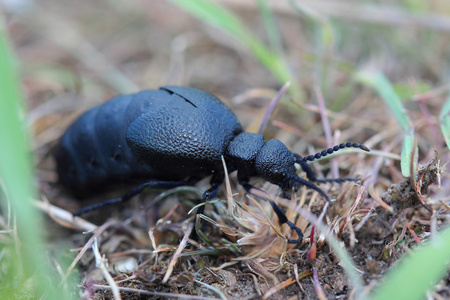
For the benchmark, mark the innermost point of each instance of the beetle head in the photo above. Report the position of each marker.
(275, 163)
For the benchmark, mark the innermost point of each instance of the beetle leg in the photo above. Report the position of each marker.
(280, 214)
(210, 193)
(283, 219)
(207, 195)
(311, 185)
(305, 167)
(152, 184)
(286, 194)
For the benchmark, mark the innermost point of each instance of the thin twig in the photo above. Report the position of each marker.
(145, 292)
(217, 291)
(178, 253)
(101, 262)
(271, 107)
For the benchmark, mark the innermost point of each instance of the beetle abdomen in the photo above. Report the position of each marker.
(93, 150)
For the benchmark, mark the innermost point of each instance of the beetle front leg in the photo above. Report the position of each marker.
(312, 177)
(209, 194)
(282, 218)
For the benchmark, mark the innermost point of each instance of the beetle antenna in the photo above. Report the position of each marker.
(299, 159)
(311, 185)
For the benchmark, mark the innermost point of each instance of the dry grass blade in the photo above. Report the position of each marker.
(279, 287)
(319, 290)
(378, 199)
(271, 107)
(363, 13)
(177, 254)
(88, 245)
(145, 292)
(64, 218)
(222, 296)
(230, 200)
(101, 263)
(326, 127)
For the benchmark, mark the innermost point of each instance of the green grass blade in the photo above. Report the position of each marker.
(26, 263)
(271, 28)
(445, 121)
(418, 272)
(324, 41)
(216, 15)
(384, 88)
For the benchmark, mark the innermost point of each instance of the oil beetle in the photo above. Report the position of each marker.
(171, 137)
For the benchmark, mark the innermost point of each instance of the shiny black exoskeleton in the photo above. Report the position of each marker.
(171, 137)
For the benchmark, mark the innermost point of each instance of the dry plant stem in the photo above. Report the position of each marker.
(319, 291)
(266, 219)
(97, 233)
(101, 263)
(379, 14)
(278, 287)
(178, 253)
(256, 254)
(445, 204)
(225, 265)
(152, 239)
(271, 107)
(412, 169)
(326, 128)
(298, 277)
(378, 199)
(63, 217)
(60, 271)
(230, 200)
(348, 221)
(144, 292)
(365, 219)
(130, 251)
(414, 235)
(222, 296)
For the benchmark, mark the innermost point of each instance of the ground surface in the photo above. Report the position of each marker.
(76, 54)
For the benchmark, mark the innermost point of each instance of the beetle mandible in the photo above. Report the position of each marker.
(171, 137)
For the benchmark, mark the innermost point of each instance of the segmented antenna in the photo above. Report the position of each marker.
(324, 153)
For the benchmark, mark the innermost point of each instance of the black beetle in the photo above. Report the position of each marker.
(171, 137)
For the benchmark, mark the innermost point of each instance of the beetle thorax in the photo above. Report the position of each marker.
(243, 150)
(269, 160)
